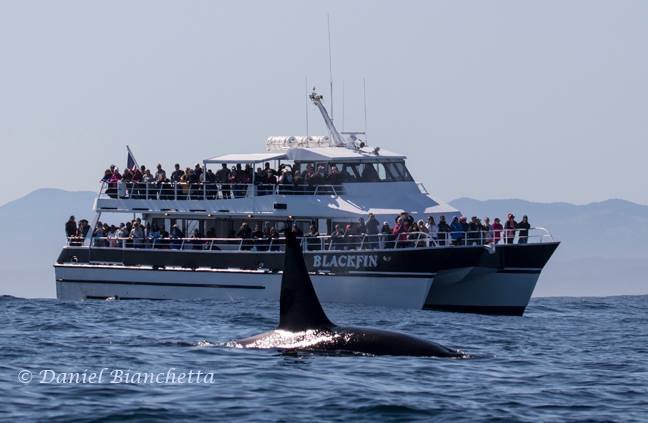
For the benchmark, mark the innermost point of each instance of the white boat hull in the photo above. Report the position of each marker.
(79, 282)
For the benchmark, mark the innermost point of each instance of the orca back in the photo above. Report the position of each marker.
(300, 308)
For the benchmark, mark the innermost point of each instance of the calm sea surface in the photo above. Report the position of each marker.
(566, 359)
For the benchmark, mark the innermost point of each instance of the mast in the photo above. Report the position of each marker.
(328, 26)
(338, 141)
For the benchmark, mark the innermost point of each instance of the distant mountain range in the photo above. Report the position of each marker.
(33, 235)
(604, 248)
(604, 245)
(610, 229)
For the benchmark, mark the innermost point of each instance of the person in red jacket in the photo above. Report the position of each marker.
(400, 231)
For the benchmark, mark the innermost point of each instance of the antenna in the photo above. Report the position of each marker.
(307, 107)
(364, 94)
(342, 106)
(328, 25)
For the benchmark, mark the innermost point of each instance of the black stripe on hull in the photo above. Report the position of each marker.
(491, 310)
(421, 260)
(180, 285)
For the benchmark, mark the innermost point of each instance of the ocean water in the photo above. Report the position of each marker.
(566, 359)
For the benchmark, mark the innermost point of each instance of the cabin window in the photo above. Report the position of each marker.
(363, 171)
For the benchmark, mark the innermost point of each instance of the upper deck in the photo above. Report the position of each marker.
(337, 177)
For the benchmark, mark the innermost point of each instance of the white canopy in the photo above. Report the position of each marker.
(246, 158)
(312, 154)
(339, 153)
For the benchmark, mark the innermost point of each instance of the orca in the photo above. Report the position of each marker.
(303, 325)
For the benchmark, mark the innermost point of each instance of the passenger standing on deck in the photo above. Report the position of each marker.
(83, 229)
(70, 228)
(160, 174)
(312, 238)
(244, 231)
(524, 227)
(177, 174)
(432, 228)
(474, 231)
(137, 235)
(487, 231)
(444, 230)
(372, 227)
(222, 177)
(458, 232)
(386, 236)
(497, 230)
(400, 231)
(509, 229)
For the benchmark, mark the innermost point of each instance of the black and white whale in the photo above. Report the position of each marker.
(303, 325)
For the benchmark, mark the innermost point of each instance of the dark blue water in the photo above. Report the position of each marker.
(567, 358)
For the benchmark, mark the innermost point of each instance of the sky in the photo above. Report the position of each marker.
(545, 101)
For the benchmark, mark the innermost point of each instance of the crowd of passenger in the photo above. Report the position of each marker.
(405, 231)
(196, 183)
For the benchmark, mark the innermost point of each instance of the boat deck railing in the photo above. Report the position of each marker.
(327, 242)
(207, 190)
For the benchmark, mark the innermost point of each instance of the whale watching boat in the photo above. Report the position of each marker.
(344, 179)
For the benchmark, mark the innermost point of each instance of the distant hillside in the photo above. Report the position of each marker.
(33, 236)
(611, 229)
(604, 248)
(603, 251)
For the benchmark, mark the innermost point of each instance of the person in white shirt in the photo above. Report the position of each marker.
(433, 229)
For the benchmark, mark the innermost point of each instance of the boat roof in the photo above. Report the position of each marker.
(310, 154)
(315, 154)
(247, 158)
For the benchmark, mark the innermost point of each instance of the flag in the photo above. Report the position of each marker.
(130, 160)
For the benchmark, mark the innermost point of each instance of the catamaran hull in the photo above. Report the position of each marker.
(463, 279)
(483, 290)
(79, 282)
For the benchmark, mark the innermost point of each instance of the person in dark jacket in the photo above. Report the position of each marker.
(372, 227)
(312, 238)
(223, 177)
(474, 231)
(337, 238)
(444, 230)
(177, 173)
(509, 229)
(245, 232)
(71, 227)
(523, 226)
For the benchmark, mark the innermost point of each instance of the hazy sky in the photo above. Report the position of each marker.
(543, 100)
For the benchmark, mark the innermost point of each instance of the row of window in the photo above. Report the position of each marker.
(363, 171)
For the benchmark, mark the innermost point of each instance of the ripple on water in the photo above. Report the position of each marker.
(566, 359)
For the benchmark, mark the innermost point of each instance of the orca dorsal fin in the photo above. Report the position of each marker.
(300, 308)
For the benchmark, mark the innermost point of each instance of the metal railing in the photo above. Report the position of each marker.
(327, 242)
(208, 190)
